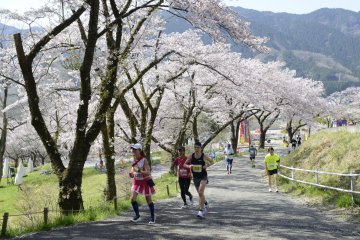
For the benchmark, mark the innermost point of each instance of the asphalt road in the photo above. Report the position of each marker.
(240, 208)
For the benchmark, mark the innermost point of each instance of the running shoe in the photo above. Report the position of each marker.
(184, 206)
(277, 190)
(152, 221)
(135, 219)
(270, 190)
(200, 214)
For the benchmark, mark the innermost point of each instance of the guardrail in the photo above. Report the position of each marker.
(317, 183)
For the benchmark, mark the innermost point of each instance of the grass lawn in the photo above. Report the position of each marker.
(39, 191)
(44, 189)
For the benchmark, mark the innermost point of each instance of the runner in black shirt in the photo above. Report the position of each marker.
(198, 163)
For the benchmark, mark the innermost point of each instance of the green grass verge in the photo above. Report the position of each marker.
(41, 191)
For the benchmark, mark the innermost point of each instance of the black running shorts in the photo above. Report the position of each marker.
(197, 181)
(271, 172)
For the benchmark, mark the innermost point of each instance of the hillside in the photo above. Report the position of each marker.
(334, 150)
(323, 45)
(6, 32)
(331, 151)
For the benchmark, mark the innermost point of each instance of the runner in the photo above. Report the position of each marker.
(293, 143)
(184, 176)
(299, 141)
(229, 152)
(142, 182)
(198, 163)
(272, 161)
(252, 154)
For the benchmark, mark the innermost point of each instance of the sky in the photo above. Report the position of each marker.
(290, 6)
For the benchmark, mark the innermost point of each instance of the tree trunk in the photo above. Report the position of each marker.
(70, 198)
(3, 132)
(262, 138)
(328, 122)
(195, 129)
(108, 137)
(289, 130)
(233, 137)
(292, 129)
(147, 150)
(261, 118)
(33, 158)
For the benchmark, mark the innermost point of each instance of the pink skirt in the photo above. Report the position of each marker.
(141, 187)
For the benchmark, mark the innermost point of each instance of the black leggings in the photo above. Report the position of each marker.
(184, 187)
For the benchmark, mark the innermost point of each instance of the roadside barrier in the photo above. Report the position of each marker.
(352, 176)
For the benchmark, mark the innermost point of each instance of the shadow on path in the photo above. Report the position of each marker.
(240, 208)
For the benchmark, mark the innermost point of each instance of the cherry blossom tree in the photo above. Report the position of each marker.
(8, 77)
(193, 12)
(206, 92)
(76, 35)
(344, 104)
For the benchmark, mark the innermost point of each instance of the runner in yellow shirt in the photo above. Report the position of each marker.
(272, 161)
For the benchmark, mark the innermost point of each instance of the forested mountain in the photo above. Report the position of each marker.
(323, 45)
(6, 32)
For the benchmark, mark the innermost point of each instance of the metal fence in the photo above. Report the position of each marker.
(352, 177)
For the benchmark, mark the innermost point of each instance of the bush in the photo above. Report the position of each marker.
(344, 201)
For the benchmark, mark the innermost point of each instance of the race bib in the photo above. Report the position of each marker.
(183, 173)
(271, 165)
(138, 176)
(197, 168)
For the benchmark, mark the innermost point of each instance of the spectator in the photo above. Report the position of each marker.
(100, 166)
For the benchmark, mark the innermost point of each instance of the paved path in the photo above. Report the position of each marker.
(241, 208)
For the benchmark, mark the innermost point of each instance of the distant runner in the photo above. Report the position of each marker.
(299, 141)
(229, 157)
(272, 161)
(293, 143)
(252, 154)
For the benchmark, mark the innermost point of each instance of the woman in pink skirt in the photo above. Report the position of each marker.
(142, 182)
